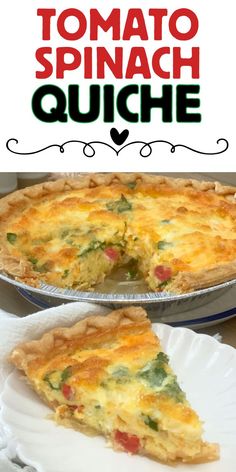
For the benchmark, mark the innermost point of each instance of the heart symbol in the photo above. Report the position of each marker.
(119, 138)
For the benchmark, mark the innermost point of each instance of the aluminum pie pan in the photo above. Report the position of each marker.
(122, 299)
(210, 313)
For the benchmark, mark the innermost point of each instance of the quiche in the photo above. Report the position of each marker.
(178, 235)
(110, 376)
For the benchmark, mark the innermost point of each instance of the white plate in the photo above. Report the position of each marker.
(206, 370)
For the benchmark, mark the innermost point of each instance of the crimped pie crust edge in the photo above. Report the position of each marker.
(26, 352)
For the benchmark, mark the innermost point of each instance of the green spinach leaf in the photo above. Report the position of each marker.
(65, 273)
(53, 379)
(166, 222)
(93, 246)
(121, 374)
(153, 372)
(33, 260)
(119, 206)
(11, 237)
(173, 390)
(162, 245)
(132, 185)
(150, 422)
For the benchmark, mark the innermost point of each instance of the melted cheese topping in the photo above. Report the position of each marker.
(75, 238)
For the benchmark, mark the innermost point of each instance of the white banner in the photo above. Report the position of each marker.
(102, 86)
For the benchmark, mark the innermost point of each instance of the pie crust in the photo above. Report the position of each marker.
(184, 281)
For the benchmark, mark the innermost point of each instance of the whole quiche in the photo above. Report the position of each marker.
(177, 234)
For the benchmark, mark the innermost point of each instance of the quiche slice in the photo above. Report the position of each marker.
(110, 376)
(178, 235)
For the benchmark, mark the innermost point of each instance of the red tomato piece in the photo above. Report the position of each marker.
(162, 272)
(68, 392)
(129, 442)
(111, 253)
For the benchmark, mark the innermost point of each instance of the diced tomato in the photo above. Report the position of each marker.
(68, 392)
(111, 253)
(162, 272)
(129, 442)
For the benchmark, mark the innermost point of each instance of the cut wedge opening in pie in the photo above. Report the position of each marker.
(178, 235)
(110, 376)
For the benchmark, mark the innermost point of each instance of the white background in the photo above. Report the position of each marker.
(21, 36)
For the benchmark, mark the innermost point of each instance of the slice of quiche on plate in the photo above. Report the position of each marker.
(110, 376)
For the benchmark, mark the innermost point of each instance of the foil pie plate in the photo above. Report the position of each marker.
(160, 302)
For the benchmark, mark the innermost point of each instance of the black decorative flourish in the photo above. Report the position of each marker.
(145, 150)
(119, 138)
